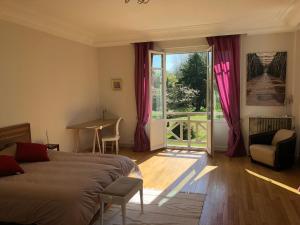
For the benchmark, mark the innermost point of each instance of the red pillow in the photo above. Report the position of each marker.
(9, 166)
(31, 152)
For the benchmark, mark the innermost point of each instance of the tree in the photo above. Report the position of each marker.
(180, 98)
(193, 76)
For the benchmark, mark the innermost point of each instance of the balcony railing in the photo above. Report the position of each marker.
(187, 129)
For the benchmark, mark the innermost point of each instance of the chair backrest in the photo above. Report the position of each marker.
(117, 126)
(281, 135)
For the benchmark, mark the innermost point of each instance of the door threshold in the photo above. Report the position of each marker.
(186, 148)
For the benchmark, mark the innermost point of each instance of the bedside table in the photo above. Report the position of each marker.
(53, 146)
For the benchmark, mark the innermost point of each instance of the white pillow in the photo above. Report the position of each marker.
(10, 150)
(281, 135)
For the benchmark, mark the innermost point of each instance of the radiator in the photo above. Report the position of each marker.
(265, 124)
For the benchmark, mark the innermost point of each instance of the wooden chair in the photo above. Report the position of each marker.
(112, 137)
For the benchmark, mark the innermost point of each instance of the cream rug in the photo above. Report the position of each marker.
(159, 209)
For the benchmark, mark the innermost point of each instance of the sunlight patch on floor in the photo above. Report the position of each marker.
(159, 172)
(184, 155)
(206, 170)
(178, 187)
(149, 196)
(181, 184)
(279, 184)
(169, 172)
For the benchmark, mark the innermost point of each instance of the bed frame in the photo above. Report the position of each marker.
(16, 133)
(12, 134)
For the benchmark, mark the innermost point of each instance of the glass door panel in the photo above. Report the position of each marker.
(157, 94)
(157, 124)
(210, 103)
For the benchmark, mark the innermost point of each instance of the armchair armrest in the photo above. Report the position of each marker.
(262, 138)
(285, 153)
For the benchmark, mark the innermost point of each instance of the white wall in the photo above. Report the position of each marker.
(118, 62)
(197, 44)
(262, 43)
(51, 82)
(46, 81)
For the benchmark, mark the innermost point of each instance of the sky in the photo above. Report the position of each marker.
(173, 61)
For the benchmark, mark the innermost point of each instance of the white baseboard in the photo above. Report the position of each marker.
(216, 147)
(127, 145)
(220, 148)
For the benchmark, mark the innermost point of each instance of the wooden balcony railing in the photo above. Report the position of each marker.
(187, 129)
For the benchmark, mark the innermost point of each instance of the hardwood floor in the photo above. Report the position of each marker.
(237, 191)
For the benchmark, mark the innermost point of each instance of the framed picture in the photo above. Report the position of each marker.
(116, 84)
(266, 78)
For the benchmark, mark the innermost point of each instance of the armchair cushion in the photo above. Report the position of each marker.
(262, 138)
(263, 153)
(282, 135)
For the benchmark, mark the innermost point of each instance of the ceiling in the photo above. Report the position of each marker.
(112, 22)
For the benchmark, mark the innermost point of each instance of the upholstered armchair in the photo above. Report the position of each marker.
(275, 148)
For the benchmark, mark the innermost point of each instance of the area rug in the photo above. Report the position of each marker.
(159, 209)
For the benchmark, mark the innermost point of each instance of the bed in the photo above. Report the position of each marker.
(62, 191)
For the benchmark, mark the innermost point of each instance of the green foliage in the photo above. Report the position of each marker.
(194, 76)
(176, 131)
(180, 98)
(186, 88)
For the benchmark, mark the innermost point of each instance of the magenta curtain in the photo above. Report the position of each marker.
(227, 74)
(141, 140)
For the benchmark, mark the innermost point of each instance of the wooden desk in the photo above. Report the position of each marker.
(93, 124)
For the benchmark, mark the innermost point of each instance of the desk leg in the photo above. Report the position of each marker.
(98, 141)
(94, 142)
(77, 140)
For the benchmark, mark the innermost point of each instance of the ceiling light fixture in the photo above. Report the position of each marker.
(139, 1)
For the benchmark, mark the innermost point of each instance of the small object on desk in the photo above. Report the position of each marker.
(53, 146)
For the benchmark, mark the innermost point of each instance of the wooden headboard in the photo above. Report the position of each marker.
(13, 134)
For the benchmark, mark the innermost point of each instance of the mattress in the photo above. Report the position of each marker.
(62, 191)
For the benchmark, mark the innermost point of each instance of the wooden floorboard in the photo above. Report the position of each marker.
(237, 191)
